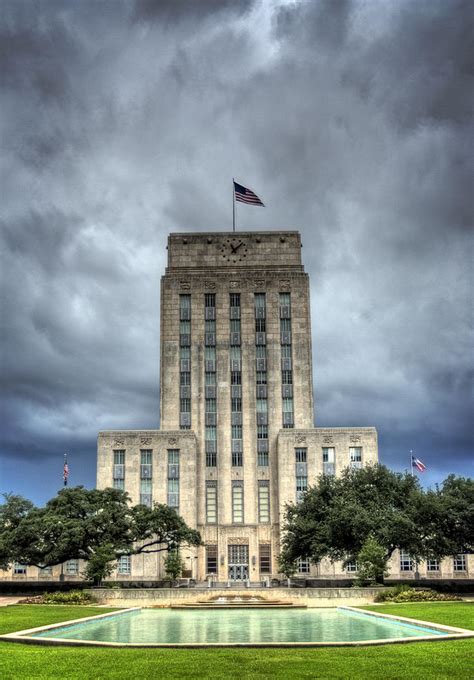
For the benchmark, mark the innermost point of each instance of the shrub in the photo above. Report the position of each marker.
(404, 593)
(390, 593)
(72, 597)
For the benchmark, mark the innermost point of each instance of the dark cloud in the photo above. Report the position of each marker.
(124, 121)
(171, 11)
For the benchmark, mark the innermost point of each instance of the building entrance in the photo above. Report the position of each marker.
(238, 562)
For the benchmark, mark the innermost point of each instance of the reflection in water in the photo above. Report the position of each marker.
(237, 625)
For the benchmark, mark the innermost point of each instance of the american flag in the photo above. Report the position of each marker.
(65, 470)
(244, 195)
(421, 467)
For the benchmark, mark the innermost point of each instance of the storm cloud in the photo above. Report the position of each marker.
(124, 121)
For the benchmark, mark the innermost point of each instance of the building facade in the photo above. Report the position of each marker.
(237, 440)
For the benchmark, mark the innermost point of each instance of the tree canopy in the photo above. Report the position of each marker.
(338, 515)
(80, 524)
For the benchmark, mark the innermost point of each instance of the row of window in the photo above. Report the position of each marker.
(406, 564)
(146, 475)
(71, 567)
(301, 472)
(237, 500)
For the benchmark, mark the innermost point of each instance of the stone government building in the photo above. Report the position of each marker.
(237, 440)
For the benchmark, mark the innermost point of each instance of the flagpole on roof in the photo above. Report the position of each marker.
(233, 204)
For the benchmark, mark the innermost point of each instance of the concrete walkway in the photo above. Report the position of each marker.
(4, 600)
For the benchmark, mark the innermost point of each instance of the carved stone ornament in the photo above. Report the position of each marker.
(172, 441)
(210, 285)
(259, 283)
(237, 540)
(355, 439)
(300, 439)
(185, 285)
(328, 440)
(144, 441)
(119, 442)
(234, 284)
(284, 284)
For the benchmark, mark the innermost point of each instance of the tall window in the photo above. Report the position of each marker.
(261, 404)
(263, 501)
(459, 563)
(173, 478)
(185, 362)
(211, 502)
(210, 379)
(211, 559)
(146, 473)
(237, 502)
(303, 565)
(355, 456)
(265, 558)
(406, 562)
(72, 567)
(301, 473)
(124, 565)
(119, 469)
(235, 354)
(286, 365)
(329, 457)
(432, 565)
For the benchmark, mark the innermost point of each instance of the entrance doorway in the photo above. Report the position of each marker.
(238, 562)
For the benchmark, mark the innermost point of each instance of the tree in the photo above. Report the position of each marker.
(287, 567)
(88, 525)
(338, 515)
(101, 564)
(173, 564)
(372, 563)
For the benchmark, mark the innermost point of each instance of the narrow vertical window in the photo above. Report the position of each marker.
(286, 363)
(173, 478)
(119, 469)
(237, 502)
(210, 380)
(355, 457)
(301, 472)
(263, 501)
(211, 502)
(235, 354)
(211, 559)
(329, 458)
(265, 558)
(261, 403)
(146, 475)
(185, 362)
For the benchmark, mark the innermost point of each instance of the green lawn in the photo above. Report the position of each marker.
(419, 660)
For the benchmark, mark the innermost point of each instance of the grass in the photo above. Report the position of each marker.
(439, 659)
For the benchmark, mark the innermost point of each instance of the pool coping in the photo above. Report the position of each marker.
(25, 637)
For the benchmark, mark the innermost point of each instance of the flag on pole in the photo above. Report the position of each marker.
(421, 467)
(245, 195)
(65, 470)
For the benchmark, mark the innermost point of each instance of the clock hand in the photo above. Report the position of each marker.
(237, 247)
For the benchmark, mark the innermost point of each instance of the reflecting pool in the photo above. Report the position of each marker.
(224, 626)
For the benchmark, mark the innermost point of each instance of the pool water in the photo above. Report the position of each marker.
(168, 626)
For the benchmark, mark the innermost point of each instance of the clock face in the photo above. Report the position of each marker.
(234, 250)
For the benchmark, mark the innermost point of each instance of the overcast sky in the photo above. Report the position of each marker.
(124, 121)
